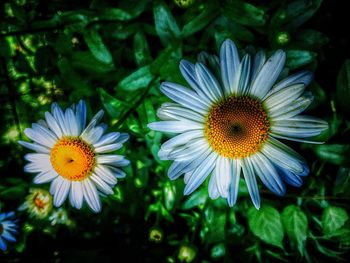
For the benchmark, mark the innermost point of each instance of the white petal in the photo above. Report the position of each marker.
(259, 61)
(268, 74)
(106, 174)
(177, 112)
(299, 126)
(76, 194)
(107, 139)
(53, 125)
(91, 196)
(233, 188)
(101, 185)
(188, 72)
(184, 96)
(268, 174)
(59, 116)
(229, 63)
(243, 76)
(45, 177)
(250, 180)
(53, 187)
(94, 121)
(190, 152)
(208, 82)
(293, 108)
(302, 77)
(61, 192)
(123, 138)
(71, 122)
(179, 168)
(284, 97)
(182, 139)
(175, 126)
(93, 135)
(283, 155)
(200, 174)
(118, 173)
(39, 137)
(108, 148)
(35, 147)
(212, 186)
(81, 115)
(223, 175)
(295, 139)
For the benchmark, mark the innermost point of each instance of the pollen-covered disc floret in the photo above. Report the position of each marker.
(73, 158)
(77, 158)
(229, 121)
(237, 127)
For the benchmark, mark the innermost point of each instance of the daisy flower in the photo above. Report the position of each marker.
(8, 228)
(38, 203)
(74, 156)
(229, 122)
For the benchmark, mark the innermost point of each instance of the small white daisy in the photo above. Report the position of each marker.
(8, 229)
(38, 203)
(73, 156)
(229, 121)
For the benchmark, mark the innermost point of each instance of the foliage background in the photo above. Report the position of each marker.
(114, 54)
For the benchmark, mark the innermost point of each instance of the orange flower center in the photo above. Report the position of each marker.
(72, 158)
(237, 127)
(39, 202)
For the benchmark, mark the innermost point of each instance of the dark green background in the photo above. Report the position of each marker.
(114, 54)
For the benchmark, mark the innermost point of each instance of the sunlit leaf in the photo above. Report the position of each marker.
(266, 224)
(333, 218)
(295, 224)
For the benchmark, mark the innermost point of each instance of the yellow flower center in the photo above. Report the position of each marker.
(237, 127)
(72, 158)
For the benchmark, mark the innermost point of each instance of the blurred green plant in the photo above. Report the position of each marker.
(116, 54)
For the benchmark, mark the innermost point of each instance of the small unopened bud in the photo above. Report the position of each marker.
(155, 235)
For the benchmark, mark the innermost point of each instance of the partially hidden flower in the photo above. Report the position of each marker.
(8, 229)
(229, 122)
(76, 158)
(38, 203)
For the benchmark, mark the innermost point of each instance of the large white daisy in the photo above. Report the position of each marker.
(73, 156)
(229, 122)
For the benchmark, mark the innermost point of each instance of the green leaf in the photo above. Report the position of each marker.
(137, 80)
(266, 224)
(295, 224)
(311, 39)
(166, 25)
(334, 153)
(199, 22)
(84, 60)
(343, 86)
(113, 106)
(333, 218)
(97, 47)
(342, 182)
(127, 11)
(141, 50)
(245, 13)
(72, 79)
(294, 14)
(298, 58)
(196, 199)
